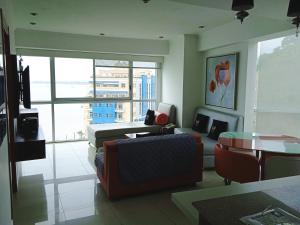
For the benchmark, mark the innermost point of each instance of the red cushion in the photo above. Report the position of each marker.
(161, 119)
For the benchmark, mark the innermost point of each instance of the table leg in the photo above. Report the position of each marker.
(262, 165)
(257, 154)
(227, 181)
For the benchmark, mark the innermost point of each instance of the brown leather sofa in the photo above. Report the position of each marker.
(115, 188)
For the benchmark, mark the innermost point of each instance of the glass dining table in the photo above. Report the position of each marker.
(261, 142)
(265, 145)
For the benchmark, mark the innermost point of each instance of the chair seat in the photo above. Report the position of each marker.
(236, 166)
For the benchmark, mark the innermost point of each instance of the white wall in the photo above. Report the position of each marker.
(181, 77)
(30, 39)
(242, 48)
(234, 32)
(251, 93)
(172, 76)
(191, 79)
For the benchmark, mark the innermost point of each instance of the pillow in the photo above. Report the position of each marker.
(150, 116)
(161, 119)
(217, 128)
(201, 123)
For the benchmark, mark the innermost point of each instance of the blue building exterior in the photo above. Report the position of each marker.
(105, 112)
(144, 94)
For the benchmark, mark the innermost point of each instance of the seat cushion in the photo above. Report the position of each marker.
(208, 143)
(99, 162)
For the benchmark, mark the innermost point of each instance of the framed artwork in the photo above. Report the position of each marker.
(221, 79)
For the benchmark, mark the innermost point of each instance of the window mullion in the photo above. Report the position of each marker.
(53, 88)
(131, 89)
(94, 79)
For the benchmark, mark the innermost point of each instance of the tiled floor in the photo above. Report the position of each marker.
(63, 189)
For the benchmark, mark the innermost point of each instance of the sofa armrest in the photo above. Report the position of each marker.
(111, 174)
(199, 156)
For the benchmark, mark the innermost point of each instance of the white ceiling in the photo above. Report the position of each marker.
(133, 18)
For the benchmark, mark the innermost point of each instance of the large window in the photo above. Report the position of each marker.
(39, 77)
(278, 102)
(71, 93)
(73, 78)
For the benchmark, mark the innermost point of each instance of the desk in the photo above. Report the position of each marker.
(184, 200)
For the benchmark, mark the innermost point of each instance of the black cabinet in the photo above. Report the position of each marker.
(31, 148)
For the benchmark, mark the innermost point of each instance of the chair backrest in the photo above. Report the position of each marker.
(236, 166)
(169, 110)
(282, 166)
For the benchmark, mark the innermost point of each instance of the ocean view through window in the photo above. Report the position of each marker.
(80, 91)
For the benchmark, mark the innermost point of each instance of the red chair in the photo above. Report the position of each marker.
(236, 166)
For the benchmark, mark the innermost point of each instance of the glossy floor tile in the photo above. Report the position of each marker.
(64, 189)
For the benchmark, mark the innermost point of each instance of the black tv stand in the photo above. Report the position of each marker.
(26, 148)
(31, 148)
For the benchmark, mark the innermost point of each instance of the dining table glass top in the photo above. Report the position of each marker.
(261, 142)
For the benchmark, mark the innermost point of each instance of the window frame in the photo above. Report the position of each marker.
(54, 100)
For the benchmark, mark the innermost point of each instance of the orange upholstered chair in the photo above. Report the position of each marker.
(236, 166)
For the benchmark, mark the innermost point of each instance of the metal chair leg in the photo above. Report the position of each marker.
(227, 181)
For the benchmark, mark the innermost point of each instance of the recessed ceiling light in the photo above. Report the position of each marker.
(33, 23)
(33, 14)
(201, 26)
(146, 1)
(102, 34)
(161, 37)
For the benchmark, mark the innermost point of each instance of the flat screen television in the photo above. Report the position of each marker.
(26, 88)
(14, 83)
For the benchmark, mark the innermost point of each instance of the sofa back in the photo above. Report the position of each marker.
(116, 188)
(235, 122)
(168, 109)
(154, 157)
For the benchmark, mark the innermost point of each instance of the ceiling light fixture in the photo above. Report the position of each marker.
(102, 34)
(241, 6)
(33, 14)
(161, 37)
(32, 23)
(146, 1)
(294, 11)
(201, 26)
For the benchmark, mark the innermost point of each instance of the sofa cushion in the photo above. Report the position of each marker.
(117, 129)
(209, 144)
(169, 110)
(150, 117)
(99, 162)
(161, 118)
(201, 123)
(235, 122)
(217, 128)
